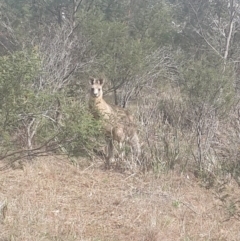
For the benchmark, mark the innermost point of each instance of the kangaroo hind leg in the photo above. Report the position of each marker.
(110, 153)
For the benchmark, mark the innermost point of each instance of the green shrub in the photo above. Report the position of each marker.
(28, 113)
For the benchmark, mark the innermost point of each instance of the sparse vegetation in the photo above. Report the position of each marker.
(53, 200)
(174, 65)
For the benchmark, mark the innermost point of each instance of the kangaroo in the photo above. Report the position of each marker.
(118, 124)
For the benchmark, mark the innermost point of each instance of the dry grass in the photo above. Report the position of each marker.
(53, 200)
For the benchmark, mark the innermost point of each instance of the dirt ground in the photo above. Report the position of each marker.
(51, 199)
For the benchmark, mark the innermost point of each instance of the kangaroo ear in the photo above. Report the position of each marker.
(101, 81)
(91, 80)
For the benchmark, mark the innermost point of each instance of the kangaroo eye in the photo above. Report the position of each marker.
(92, 89)
(99, 90)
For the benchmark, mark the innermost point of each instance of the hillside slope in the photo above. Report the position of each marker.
(53, 200)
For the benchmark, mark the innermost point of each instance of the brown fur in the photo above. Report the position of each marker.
(118, 123)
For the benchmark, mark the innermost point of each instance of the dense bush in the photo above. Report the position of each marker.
(174, 63)
(39, 120)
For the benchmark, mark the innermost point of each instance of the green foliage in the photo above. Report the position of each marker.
(120, 41)
(119, 55)
(17, 73)
(124, 41)
(79, 132)
(27, 114)
(152, 20)
(208, 82)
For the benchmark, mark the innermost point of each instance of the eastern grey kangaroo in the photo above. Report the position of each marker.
(117, 122)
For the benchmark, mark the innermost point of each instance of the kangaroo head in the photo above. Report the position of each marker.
(96, 87)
